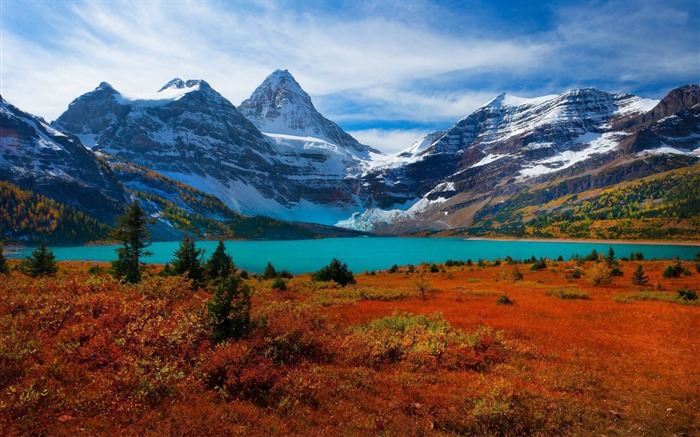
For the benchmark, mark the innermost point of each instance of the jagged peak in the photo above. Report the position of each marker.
(104, 86)
(179, 84)
(279, 89)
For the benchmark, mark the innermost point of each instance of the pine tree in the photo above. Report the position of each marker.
(610, 258)
(269, 272)
(638, 277)
(220, 265)
(40, 263)
(131, 232)
(188, 259)
(4, 268)
(229, 310)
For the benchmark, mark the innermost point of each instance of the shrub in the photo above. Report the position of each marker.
(569, 293)
(615, 271)
(658, 296)
(335, 271)
(539, 264)
(505, 300)
(687, 294)
(285, 274)
(434, 268)
(393, 269)
(517, 274)
(599, 274)
(675, 269)
(279, 284)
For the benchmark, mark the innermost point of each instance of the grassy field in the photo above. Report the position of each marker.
(437, 353)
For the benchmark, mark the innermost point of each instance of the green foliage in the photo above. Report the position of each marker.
(540, 264)
(188, 260)
(269, 272)
(638, 277)
(569, 293)
(675, 270)
(130, 231)
(4, 268)
(434, 268)
(656, 208)
(505, 300)
(40, 263)
(220, 265)
(599, 274)
(335, 271)
(29, 217)
(517, 274)
(663, 296)
(393, 269)
(610, 258)
(229, 310)
(687, 294)
(279, 284)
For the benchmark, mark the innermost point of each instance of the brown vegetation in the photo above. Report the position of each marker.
(83, 353)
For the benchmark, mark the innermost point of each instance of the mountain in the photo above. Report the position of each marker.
(39, 158)
(587, 137)
(280, 106)
(305, 169)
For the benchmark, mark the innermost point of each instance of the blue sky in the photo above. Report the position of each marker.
(387, 71)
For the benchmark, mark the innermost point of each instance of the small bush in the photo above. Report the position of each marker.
(569, 293)
(615, 271)
(687, 294)
(505, 300)
(335, 271)
(517, 274)
(675, 270)
(393, 269)
(434, 268)
(540, 264)
(279, 284)
(599, 274)
(663, 296)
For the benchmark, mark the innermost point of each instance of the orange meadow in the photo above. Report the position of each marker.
(82, 353)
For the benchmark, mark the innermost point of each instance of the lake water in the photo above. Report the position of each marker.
(299, 256)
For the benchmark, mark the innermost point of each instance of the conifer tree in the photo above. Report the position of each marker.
(638, 277)
(40, 263)
(188, 259)
(229, 309)
(131, 232)
(269, 272)
(4, 268)
(220, 265)
(610, 258)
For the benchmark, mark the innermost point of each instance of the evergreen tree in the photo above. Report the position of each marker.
(335, 271)
(188, 259)
(4, 268)
(638, 277)
(131, 232)
(40, 263)
(610, 258)
(229, 310)
(269, 272)
(220, 265)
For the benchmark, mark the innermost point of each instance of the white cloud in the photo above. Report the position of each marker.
(138, 46)
(389, 140)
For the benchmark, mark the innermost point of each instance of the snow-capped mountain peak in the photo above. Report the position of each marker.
(280, 106)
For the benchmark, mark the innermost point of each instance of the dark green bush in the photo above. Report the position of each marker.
(335, 271)
(687, 294)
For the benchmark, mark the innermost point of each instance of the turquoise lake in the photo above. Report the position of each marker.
(299, 256)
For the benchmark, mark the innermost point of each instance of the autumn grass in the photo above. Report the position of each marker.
(82, 351)
(662, 296)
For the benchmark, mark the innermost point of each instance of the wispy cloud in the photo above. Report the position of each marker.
(367, 65)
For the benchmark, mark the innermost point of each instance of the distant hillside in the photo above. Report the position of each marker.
(26, 217)
(664, 206)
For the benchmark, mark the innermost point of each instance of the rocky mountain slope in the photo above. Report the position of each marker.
(35, 156)
(588, 137)
(304, 168)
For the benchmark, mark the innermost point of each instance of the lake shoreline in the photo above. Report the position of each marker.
(591, 241)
